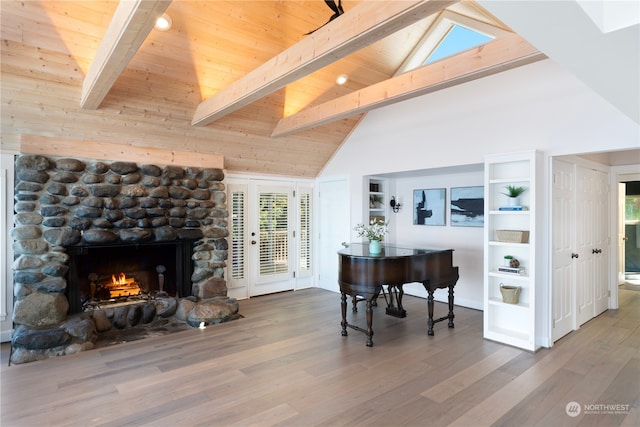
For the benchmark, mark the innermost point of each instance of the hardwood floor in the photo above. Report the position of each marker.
(286, 364)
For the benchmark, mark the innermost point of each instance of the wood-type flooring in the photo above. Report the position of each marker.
(285, 363)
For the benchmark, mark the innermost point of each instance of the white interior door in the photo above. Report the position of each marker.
(601, 246)
(333, 223)
(563, 262)
(585, 242)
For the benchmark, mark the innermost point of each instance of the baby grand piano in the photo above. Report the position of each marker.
(362, 276)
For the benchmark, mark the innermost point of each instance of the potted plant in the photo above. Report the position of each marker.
(507, 260)
(375, 232)
(513, 193)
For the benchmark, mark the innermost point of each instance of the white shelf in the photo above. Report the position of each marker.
(513, 324)
(513, 180)
(510, 276)
(376, 187)
(497, 212)
(499, 302)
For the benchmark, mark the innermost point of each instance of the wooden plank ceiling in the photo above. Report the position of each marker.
(239, 79)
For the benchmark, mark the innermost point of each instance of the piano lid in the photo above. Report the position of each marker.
(388, 251)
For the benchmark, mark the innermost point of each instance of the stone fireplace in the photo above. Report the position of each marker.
(78, 222)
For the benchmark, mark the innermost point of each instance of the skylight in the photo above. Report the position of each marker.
(457, 39)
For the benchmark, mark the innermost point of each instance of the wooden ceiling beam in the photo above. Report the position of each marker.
(352, 31)
(131, 24)
(490, 58)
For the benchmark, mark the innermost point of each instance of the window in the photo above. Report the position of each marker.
(274, 233)
(305, 253)
(457, 39)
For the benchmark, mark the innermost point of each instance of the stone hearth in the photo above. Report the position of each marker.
(64, 203)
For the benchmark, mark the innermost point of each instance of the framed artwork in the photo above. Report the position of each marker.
(467, 206)
(429, 206)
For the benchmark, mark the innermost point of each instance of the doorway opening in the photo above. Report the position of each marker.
(629, 230)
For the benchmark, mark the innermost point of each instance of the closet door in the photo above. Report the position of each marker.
(600, 249)
(563, 263)
(580, 230)
(585, 241)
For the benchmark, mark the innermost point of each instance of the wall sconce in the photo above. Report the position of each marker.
(395, 206)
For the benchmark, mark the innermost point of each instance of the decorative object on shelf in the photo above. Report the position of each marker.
(512, 208)
(375, 232)
(511, 270)
(513, 236)
(510, 261)
(375, 201)
(510, 294)
(467, 206)
(513, 193)
(429, 206)
(395, 205)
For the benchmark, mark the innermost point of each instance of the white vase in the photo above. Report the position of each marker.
(514, 201)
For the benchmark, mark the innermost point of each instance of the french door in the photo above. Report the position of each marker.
(270, 242)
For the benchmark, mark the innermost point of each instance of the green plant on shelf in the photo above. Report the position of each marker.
(514, 191)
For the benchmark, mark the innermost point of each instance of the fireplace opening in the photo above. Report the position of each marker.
(102, 275)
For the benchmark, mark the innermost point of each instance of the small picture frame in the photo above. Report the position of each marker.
(429, 206)
(467, 206)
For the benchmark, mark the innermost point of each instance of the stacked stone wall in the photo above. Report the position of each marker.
(66, 202)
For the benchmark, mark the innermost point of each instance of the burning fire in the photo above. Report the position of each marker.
(121, 279)
(122, 286)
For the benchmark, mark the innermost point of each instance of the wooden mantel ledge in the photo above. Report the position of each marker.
(102, 151)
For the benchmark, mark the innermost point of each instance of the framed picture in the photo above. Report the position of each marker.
(467, 206)
(429, 206)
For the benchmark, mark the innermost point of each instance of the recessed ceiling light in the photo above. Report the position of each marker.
(163, 23)
(342, 79)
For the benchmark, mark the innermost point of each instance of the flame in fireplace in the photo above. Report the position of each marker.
(122, 286)
(121, 279)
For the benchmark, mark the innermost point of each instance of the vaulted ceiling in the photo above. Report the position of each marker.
(240, 79)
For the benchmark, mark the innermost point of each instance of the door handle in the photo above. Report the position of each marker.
(594, 251)
(574, 255)
(253, 242)
(344, 244)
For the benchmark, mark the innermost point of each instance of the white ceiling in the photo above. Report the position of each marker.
(608, 62)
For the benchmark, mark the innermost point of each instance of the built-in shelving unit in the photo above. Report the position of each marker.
(377, 199)
(508, 322)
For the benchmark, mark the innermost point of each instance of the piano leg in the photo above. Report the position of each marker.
(430, 307)
(369, 322)
(451, 316)
(343, 306)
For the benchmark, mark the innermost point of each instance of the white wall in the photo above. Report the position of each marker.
(538, 106)
(467, 242)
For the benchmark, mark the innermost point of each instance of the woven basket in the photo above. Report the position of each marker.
(513, 236)
(510, 294)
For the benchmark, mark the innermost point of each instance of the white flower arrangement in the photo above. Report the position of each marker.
(374, 231)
